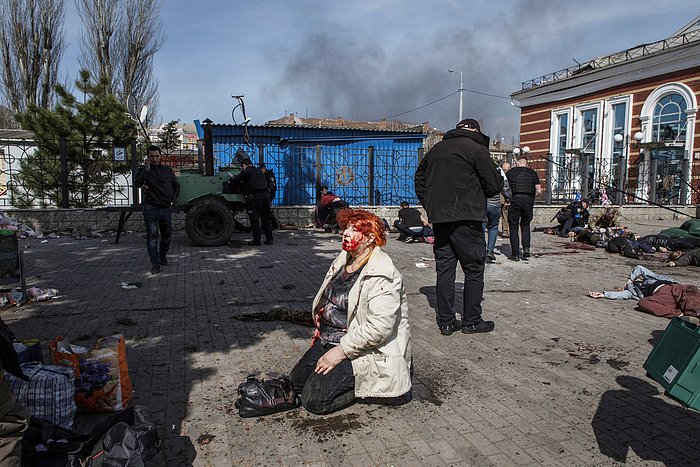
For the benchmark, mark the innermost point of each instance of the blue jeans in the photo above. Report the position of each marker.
(493, 216)
(157, 220)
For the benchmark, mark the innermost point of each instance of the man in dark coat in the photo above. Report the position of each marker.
(524, 186)
(160, 188)
(574, 215)
(272, 189)
(257, 198)
(452, 183)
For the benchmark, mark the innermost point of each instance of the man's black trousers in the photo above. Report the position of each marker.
(258, 209)
(461, 241)
(519, 217)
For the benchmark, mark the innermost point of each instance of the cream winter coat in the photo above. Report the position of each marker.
(378, 340)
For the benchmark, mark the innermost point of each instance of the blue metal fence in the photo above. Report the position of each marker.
(363, 167)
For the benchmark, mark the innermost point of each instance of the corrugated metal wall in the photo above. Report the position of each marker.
(360, 166)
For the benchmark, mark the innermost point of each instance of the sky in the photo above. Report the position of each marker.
(373, 59)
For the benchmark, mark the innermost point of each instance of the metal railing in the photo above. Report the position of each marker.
(613, 59)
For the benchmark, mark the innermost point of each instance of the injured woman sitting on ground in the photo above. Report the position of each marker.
(361, 347)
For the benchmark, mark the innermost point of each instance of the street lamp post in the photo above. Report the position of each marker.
(461, 91)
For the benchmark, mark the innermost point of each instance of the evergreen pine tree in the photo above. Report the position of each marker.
(169, 136)
(92, 129)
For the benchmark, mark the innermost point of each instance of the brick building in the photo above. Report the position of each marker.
(620, 128)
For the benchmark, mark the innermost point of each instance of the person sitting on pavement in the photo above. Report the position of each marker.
(328, 206)
(412, 224)
(494, 207)
(574, 217)
(607, 219)
(361, 346)
(684, 258)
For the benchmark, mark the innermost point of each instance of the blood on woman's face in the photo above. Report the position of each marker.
(354, 241)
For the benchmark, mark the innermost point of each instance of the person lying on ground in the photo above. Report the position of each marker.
(412, 224)
(683, 258)
(599, 236)
(672, 243)
(629, 247)
(640, 283)
(361, 347)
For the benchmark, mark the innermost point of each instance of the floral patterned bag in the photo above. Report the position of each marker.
(102, 381)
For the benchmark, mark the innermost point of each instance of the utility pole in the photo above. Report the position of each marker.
(461, 91)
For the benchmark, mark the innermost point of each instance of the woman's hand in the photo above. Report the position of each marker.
(595, 294)
(330, 360)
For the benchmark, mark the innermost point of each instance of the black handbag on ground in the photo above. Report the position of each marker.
(265, 397)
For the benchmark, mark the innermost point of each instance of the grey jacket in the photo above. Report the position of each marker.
(637, 281)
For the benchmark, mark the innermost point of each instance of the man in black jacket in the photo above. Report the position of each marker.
(524, 186)
(257, 197)
(452, 183)
(272, 190)
(160, 190)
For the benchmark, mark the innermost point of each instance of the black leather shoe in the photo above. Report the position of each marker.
(526, 253)
(483, 326)
(447, 330)
(163, 261)
(490, 258)
(514, 258)
(155, 269)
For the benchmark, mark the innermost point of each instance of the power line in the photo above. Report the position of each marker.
(417, 108)
(441, 99)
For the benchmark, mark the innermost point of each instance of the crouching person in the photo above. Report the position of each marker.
(362, 344)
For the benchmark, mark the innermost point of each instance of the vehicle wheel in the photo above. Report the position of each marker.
(209, 223)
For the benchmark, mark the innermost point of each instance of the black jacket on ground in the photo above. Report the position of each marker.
(160, 185)
(456, 176)
(691, 257)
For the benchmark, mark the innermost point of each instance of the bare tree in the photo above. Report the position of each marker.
(101, 19)
(138, 41)
(119, 42)
(31, 46)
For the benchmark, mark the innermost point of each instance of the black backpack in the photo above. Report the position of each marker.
(127, 438)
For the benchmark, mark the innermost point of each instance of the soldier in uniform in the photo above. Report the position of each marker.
(524, 185)
(257, 196)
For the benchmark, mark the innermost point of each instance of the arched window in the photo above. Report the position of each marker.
(669, 119)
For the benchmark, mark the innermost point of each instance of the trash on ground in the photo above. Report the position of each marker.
(35, 294)
(44, 241)
(131, 285)
(277, 312)
(428, 259)
(421, 265)
(205, 439)
(13, 297)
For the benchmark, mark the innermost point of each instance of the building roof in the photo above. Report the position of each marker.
(688, 34)
(6, 134)
(293, 120)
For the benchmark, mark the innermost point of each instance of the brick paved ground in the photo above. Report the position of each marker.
(560, 381)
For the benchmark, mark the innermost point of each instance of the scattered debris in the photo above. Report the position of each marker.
(205, 439)
(421, 265)
(131, 285)
(126, 321)
(35, 294)
(278, 313)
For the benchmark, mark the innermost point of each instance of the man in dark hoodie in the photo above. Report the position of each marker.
(452, 183)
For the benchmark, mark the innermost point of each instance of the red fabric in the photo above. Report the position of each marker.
(328, 199)
(673, 300)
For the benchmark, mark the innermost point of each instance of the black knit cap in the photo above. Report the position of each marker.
(469, 123)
